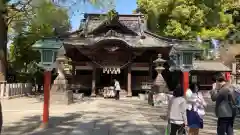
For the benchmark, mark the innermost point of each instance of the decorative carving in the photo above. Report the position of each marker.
(93, 24)
(133, 25)
(112, 49)
(113, 33)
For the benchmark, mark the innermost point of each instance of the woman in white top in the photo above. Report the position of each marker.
(177, 112)
(195, 110)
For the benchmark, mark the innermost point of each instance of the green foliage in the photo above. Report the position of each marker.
(185, 19)
(30, 20)
(42, 24)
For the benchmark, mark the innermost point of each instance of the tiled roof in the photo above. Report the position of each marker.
(209, 66)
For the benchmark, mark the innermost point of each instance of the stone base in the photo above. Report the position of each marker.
(62, 97)
(43, 126)
(93, 95)
(60, 81)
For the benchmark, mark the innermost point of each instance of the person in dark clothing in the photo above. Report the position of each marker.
(224, 110)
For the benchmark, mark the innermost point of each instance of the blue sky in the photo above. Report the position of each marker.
(122, 7)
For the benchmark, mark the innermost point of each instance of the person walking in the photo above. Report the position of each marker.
(195, 110)
(177, 112)
(117, 89)
(224, 108)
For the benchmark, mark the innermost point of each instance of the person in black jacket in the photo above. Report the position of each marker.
(224, 109)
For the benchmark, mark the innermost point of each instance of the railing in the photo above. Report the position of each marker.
(11, 90)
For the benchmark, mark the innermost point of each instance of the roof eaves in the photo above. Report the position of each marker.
(101, 14)
(171, 40)
(105, 21)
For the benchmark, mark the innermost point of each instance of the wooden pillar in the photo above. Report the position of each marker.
(185, 81)
(93, 82)
(129, 82)
(233, 77)
(150, 69)
(73, 73)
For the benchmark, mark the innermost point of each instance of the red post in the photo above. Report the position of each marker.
(46, 89)
(228, 76)
(185, 81)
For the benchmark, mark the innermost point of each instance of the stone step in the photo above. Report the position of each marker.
(123, 93)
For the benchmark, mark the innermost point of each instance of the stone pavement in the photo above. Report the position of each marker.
(23, 116)
(98, 116)
(155, 115)
(112, 117)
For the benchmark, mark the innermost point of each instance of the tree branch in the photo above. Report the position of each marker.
(17, 10)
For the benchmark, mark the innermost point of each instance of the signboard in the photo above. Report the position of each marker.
(194, 79)
(237, 68)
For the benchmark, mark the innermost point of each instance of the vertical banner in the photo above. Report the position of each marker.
(216, 47)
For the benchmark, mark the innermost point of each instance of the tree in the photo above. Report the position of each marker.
(42, 24)
(18, 12)
(186, 19)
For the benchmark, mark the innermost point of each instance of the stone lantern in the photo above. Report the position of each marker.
(159, 85)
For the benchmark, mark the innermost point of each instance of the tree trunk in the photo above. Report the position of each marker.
(3, 47)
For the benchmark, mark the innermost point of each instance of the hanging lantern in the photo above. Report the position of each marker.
(104, 70)
(118, 70)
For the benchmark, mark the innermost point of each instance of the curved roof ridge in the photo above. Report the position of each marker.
(168, 39)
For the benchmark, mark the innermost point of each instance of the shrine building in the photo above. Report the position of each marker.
(123, 49)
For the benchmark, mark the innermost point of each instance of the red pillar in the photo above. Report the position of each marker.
(185, 81)
(228, 76)
(46, 89)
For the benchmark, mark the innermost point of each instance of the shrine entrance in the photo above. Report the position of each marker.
(106, 77)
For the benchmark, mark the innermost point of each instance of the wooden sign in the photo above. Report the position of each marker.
(194, 79)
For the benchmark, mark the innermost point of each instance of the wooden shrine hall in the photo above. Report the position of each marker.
(121, 48)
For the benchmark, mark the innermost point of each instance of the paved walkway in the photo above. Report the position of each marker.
(98, 116)
(155, 115)
(93, 117)
(111, 117)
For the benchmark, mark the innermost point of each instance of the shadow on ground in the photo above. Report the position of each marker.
(157, 116)
(112, 119)
(29, 124)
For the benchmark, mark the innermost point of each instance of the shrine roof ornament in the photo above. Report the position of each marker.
(131, 23)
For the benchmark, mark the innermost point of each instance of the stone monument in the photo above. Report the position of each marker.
(60, 93)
